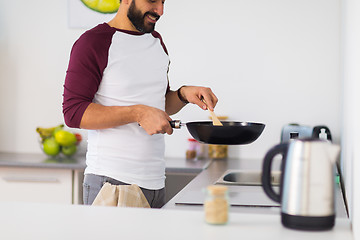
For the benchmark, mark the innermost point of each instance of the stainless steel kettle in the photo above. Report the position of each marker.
(307, 183)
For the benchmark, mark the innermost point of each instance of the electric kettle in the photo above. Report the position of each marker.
(307, 183)
(303, 131)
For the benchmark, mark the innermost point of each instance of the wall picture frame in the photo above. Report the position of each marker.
(81, 16)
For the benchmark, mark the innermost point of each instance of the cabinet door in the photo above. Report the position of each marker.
(174, 182)
(40, 185)
(78, 188)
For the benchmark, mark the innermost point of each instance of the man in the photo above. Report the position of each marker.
(117, 87)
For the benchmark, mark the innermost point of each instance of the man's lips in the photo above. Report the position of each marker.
(152, 18)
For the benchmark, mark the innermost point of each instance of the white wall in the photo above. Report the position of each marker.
(34, 44)
(351, 113)
(271, 61)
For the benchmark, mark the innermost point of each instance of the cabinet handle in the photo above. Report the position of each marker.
(30, 179)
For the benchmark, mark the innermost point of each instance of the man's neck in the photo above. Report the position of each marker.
(121, 21)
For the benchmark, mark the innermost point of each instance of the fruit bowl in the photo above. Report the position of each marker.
(57, 141)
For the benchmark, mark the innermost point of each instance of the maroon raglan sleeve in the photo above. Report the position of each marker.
(88, 59)
(157, 35)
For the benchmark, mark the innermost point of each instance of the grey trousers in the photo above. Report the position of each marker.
(93, 183)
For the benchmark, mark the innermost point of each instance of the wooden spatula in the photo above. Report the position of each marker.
(215, 120)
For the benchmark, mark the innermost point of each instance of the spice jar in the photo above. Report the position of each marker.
(216, 205)
(192, 149)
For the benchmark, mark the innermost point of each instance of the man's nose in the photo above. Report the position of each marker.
(159, 8)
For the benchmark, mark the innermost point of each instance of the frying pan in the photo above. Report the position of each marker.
(231, 133)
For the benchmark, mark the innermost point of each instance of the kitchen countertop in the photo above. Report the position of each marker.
(78, 162)
(182, 165)
(216, 169)
(40, 160)
(208, 172)
(49, 221)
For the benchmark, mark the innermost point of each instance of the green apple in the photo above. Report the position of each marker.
(51, 147)
(69, 150)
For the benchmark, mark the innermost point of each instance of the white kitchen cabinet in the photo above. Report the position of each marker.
(28, 177)
(41, 185)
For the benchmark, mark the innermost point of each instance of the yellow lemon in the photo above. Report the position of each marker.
(56, 129)
(65, 138)
(102, 6)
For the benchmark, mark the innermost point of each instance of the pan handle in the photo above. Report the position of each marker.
(175, 123)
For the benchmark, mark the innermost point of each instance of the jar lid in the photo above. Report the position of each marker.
(217, 189)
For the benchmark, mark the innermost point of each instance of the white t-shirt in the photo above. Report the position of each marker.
(124, 68)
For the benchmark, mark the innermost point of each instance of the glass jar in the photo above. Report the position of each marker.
(202, 151)
(218, 151)
(192, 149)
(216, 205)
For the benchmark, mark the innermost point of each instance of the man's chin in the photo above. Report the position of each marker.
(145, 28)
(149, 28)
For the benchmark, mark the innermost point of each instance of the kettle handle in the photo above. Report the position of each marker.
(266, 174)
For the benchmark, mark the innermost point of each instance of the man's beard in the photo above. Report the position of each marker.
(138, 19)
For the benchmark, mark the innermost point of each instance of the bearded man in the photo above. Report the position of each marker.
(117, 87)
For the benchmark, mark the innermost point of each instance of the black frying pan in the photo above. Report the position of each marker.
(231, 133)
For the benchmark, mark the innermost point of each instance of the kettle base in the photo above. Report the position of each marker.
(307, 222)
